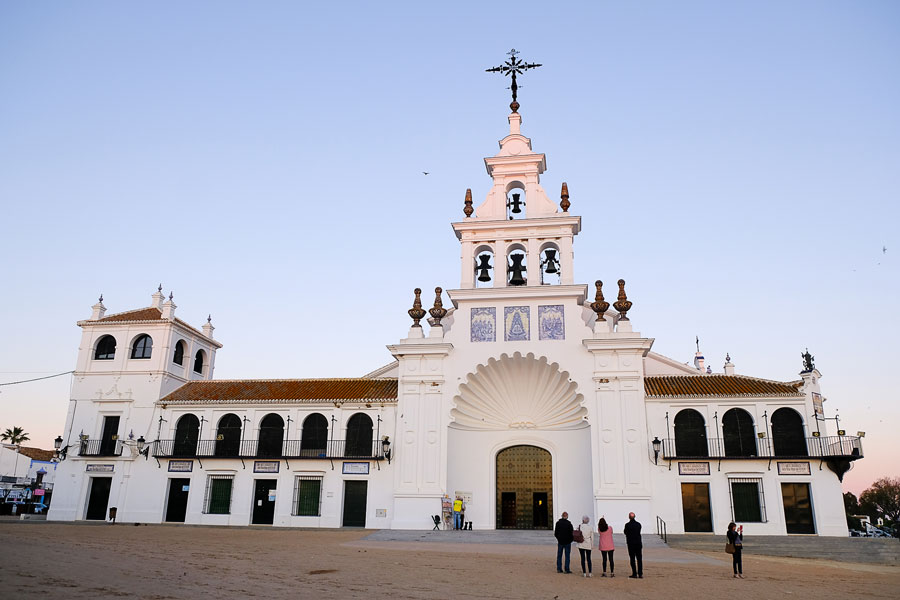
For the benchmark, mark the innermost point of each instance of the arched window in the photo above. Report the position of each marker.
(787, 433)
(228, 436)
(187, 432)
(178, 357)
(690, 434)
(106, 348)
(359, 436)
(738, 434)
(516, 266)
(314, 437)
(484, 264)
(142, 347)
(198, 361)
(271, 436)
(550, 267)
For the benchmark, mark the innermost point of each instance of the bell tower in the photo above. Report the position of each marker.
(517, 236)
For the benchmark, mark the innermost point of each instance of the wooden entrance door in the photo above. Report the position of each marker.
(264, 502)
(523, 473)
(176, 507)
(798, 515)
(695, 507)
(98, 498)
(355, 493)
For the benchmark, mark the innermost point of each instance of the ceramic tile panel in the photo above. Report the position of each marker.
(516, 323)
(484, 324)
(551, 322)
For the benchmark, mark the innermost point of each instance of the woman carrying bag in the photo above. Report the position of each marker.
(733, 546)
(584, 542)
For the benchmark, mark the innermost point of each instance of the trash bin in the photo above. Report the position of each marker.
(112, 513)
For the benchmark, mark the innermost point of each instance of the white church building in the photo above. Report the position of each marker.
(530, 394)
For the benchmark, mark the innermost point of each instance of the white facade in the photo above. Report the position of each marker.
(519, 360)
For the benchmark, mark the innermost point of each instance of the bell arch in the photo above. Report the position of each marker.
(484, 264)
(515, 200)
(516, 264)
(551, 267)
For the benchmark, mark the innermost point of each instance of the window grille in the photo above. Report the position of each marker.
(307, 496)
(218, 495)
(748, 504)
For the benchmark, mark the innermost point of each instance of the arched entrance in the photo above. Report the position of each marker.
(524, 488)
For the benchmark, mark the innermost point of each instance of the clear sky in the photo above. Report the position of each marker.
(737, 163)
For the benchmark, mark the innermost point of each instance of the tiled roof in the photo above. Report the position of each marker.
(141, 314)
(37, 453)
(729, 386)
(283, 391)
(151, 313)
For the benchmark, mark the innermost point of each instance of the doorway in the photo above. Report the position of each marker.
(98, 498)
(109, 437)
(355, 493)
(695, 507)
(798, 516)
(264, 502)
(176, 507)
(523, 473)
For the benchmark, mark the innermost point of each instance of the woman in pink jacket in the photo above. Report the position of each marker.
(606, 546)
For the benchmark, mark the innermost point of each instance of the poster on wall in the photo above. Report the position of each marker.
(817, 405)
(693, 468)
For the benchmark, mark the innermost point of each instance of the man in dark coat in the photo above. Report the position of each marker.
(564, 538)
(635, 547)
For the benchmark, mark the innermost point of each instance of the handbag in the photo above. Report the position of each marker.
(578, 536)
(729, 547)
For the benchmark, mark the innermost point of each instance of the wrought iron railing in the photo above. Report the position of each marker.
(100, 448)
(833, 446)
(274, 449)
(661, 530)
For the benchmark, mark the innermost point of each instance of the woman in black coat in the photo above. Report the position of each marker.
(735, 537)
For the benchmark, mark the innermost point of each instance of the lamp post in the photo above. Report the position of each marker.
(656, 446)
(386, 448)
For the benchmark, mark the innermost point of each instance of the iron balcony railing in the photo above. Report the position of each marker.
(834, 446)
(99, 448)
(274, 449)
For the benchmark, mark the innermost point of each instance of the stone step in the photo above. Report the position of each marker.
(865, 550)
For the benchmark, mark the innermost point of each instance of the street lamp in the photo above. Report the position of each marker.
(656, 447)
(58, 446)
(386, 448)
(142, 447)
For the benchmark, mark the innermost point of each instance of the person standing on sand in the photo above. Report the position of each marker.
(564, 538)
(635, 547)
(458, 508)
(607, 547)
(735, 537)
(585, 546)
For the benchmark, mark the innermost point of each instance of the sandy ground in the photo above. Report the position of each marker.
(48, 560)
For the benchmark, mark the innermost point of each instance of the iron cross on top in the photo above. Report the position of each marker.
(513, 67)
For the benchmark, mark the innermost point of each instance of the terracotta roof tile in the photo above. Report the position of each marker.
(693, 386)
(37, 453)
(284, 391)
(141, 314)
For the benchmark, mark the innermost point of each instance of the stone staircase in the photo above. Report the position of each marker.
(882, 551)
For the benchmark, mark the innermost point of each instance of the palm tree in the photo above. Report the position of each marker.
(15, 436)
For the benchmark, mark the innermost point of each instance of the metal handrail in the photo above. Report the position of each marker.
(834, 446)
(661, 530)
(273, 449)
(100, 447)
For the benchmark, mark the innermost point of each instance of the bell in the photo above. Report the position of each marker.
(516, 204)
(484, 276)
(551, 262)
(516, 270)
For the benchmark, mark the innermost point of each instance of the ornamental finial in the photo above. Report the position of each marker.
(171, 295)
(159, 289)
(209, 318)
(417, 312)
(101, 298)
(512, 67)
(623, 304)
(564, 203)
(468, 202)
(599, 305)
(438, 312)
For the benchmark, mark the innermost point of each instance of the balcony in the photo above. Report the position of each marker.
(287, 449)
(99, 448)
(847, 447)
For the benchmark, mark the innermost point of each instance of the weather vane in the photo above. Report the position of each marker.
(513, 67)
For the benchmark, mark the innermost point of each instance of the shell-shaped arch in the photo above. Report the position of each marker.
(518, 392)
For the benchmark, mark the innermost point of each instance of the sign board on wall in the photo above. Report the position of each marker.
(100, 468)
(181, 466)
(693, 468)
(465, 496)
(355, 468)
(380, 513)
(266, 466)
(793, 468)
